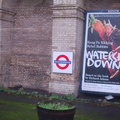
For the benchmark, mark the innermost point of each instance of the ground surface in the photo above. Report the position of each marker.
(20, 107)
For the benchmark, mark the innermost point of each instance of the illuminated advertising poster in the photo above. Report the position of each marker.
(101, 59)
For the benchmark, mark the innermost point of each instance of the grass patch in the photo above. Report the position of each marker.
(17, 111)
(10, 110)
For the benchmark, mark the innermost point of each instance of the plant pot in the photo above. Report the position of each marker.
(49, 114)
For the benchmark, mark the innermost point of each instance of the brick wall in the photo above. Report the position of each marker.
(102, 4)
(67, 36)
(31, 44)
(6, 34)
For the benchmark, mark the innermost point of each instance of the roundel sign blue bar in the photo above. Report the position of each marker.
(62, 62)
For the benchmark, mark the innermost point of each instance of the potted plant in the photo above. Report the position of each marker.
(55, 110)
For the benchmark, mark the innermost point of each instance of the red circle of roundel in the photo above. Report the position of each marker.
(67, 59)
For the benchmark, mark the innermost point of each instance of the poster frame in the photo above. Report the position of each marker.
(83, 54)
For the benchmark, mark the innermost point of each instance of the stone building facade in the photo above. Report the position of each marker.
(31, 30)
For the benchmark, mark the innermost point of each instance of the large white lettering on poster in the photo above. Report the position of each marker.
(104, 59)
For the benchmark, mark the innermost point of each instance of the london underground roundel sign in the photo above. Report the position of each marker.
(66, 62)
(62, 62)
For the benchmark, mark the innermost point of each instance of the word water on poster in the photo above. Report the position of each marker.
(101, 60)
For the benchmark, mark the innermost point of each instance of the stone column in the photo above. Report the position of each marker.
(6, 33)
(68, 17)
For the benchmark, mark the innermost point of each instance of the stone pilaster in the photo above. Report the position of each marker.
(68, 16)
(6, 29)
